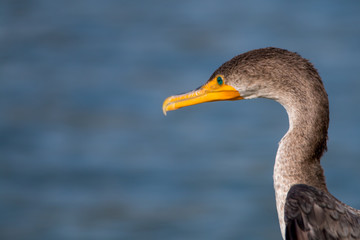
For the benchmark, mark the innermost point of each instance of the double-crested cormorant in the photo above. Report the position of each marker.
(306, 209)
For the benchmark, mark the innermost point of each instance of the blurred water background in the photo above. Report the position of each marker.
(86, 153)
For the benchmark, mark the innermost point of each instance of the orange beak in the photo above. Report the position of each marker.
(210, 92)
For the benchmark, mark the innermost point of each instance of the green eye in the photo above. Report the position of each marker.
(220, 80)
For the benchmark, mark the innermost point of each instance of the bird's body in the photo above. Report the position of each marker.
(305, 208)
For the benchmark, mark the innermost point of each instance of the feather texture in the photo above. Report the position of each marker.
(314, 214)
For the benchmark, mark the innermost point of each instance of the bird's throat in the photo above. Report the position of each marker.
(298, 156)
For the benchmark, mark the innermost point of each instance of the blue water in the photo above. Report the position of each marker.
(86, 153)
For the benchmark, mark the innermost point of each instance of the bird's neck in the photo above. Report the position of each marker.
(298, 156)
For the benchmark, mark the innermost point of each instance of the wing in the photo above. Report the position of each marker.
(313, 214)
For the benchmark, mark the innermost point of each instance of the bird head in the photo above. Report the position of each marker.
(271, 73)
(236, 79)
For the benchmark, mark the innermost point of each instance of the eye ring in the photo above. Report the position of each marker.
(220, 80)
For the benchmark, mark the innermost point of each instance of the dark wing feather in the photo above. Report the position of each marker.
(313, 214)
